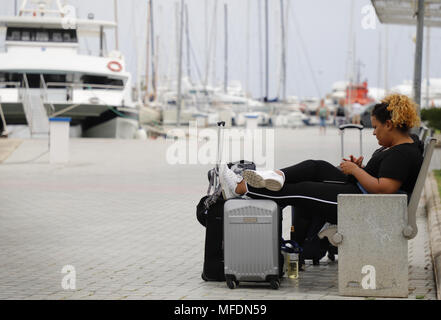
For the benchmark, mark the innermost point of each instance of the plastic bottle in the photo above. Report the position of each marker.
(293, 266)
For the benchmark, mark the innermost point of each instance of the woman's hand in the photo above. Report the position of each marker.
(358, 161)
(348, 167)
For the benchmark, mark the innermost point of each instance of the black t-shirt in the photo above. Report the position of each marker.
(340, 111)
(401, 162)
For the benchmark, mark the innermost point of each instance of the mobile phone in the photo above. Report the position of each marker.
(334, 181)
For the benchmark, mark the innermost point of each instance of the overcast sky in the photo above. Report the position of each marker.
(317, 42)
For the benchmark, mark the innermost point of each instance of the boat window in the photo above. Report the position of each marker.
(26, 36)
(15, 36)
(2, 80)
(41, 35)
(68, 37)
(100, 82)
(33, 80)
(14, 77)
(55, 80)
(7, 79)
(57, 37)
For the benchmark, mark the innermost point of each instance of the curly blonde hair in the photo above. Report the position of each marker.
(402, 111)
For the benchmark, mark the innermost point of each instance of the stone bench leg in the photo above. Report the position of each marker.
(372, 256)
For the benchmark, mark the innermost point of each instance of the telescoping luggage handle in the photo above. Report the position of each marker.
(220, 124)
(219, 142)
(351, 126)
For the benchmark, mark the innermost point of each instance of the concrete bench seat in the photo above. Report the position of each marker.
(372, 238)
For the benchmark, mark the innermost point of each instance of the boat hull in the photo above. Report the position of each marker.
(95, 121)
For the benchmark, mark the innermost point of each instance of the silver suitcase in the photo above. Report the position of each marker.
(252, 242)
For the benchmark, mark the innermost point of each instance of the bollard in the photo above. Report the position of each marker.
(372, 256)
(59, 140)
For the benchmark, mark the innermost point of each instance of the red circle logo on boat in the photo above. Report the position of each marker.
(114, 66)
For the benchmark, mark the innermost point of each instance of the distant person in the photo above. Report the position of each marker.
(356, 112)
(340, 113)
(323, 114)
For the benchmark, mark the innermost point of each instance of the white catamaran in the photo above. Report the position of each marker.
(43, 73)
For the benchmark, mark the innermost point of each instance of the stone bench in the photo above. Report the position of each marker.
(372, 238)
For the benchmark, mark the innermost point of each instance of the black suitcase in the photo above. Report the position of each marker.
(212, 219)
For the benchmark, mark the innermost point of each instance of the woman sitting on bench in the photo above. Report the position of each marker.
(315, 184)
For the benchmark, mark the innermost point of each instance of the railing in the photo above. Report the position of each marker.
(83, 85)
(44, 95)
(26, 102)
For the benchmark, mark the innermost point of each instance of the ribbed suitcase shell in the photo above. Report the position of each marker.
(251, 239)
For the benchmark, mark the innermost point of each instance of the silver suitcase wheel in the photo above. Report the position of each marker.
(275, 284)
(231, 282)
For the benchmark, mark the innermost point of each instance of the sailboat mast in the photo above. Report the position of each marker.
(115, 4)
(259, 24)
(386, 61)
(152, 41)
(214, 35)
(211, 47)
(266, 51)
(226, 48)
(247, 60)
(179, 99)
(187, 36)
(282, 23)
(156, 57)
(147, 56)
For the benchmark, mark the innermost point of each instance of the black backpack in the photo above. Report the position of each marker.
(306, 228)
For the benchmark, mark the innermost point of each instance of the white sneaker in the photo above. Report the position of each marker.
(264, 179)
(228, 180)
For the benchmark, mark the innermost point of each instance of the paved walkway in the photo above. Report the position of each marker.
(125, 220)
(7, 147)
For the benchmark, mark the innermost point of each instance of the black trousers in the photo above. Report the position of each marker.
(304, 188)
